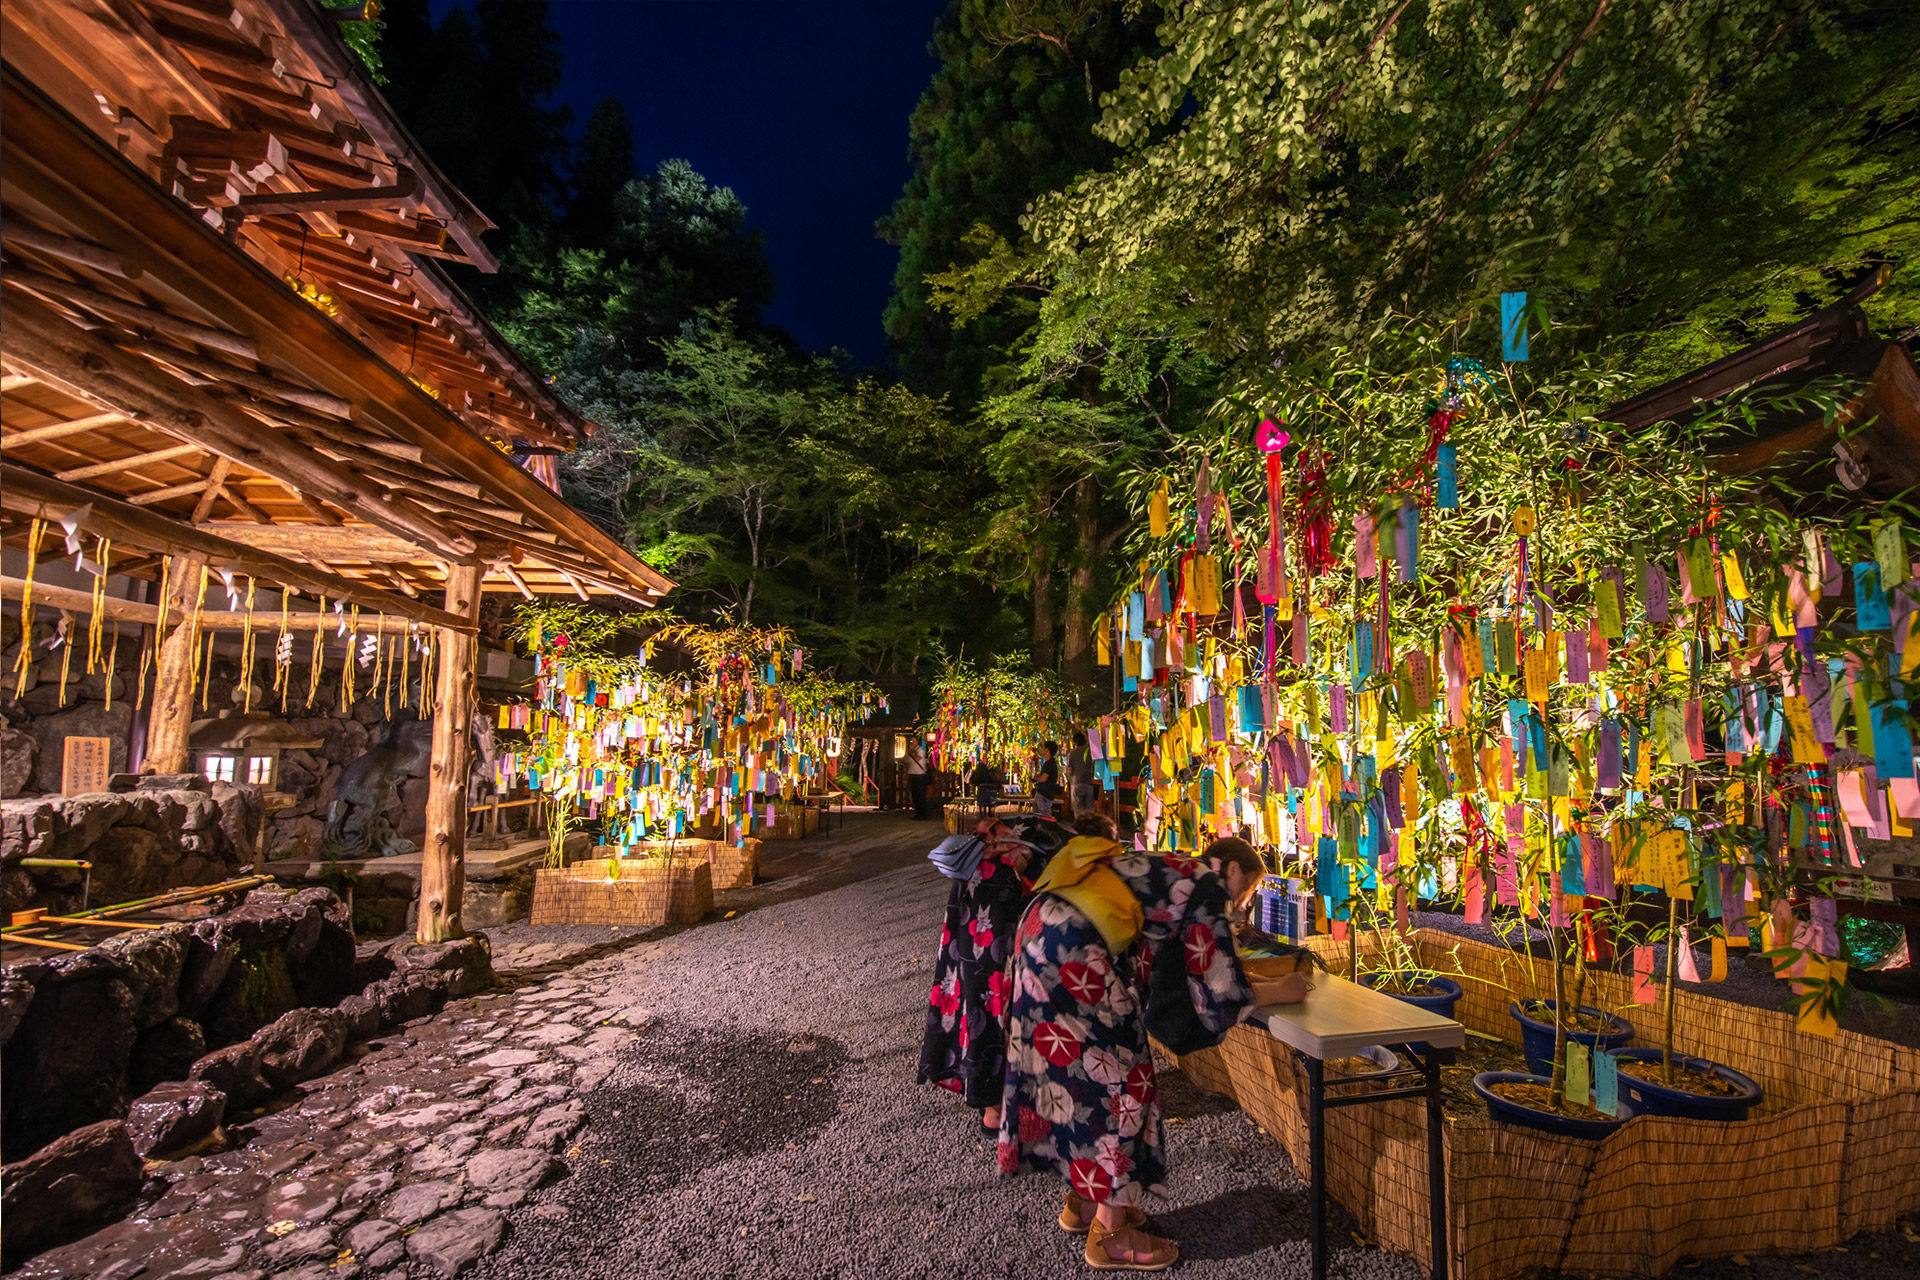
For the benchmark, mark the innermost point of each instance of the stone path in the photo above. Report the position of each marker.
(729, 1099)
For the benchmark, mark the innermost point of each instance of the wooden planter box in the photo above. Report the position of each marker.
(1832, 1151)
(647, 893)
(733, 867)
(791, 824)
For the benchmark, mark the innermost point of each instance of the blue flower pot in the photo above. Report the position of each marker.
(1509, 1112)
(1536, 1037)
(1446, 994)
(1655, 1099)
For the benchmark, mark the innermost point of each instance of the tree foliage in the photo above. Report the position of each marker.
(1292, 172)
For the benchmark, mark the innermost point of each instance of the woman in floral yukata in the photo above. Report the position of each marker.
(1081, 1098)
(965, 1045)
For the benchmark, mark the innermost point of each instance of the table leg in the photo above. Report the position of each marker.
(1436, 1168)
(1317, 1165)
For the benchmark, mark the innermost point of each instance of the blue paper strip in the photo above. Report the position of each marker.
(1869, 601)
(1606, 1083)
(1447, 479)
(1513, 326)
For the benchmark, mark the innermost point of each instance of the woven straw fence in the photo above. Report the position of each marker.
(733, 866)
(645, 894)
(1833, 1150)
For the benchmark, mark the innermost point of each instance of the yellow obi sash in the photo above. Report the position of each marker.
(1079, 875)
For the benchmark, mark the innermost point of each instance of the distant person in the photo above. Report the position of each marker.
(1046, 786)
(988, 782)
(917, 777)
(1086, 793)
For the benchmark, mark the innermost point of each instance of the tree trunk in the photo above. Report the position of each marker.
(168, 748)
(1077, 644)
(1043, 647)
(443, 869)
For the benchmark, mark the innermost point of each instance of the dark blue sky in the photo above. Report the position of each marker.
(799, 105)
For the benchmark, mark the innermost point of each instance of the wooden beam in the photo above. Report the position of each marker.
(401, 194)
(317, 509)
(216, 482)
(89, 367)
(54, 430)
(138, 460)
(328, 542)
(251, 379)
(443, 872)
(81, 253)
(80, 603)
(106, 304)
(32, 494)
(153, 496)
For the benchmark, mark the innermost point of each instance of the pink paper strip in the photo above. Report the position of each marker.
(1643, 975)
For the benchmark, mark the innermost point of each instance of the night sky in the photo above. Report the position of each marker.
(799, 105)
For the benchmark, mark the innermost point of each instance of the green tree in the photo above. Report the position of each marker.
(1300, 171)
(603, 165)
(1009, 116)
(678, 245)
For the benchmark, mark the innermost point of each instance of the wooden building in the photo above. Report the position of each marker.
(229, 348)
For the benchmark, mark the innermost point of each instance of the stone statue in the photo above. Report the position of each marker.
(357, 824)
(480, 771)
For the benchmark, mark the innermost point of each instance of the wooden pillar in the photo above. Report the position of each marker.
(443, 869)
(171, 709)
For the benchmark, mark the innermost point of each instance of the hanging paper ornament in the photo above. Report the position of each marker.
(1270, 581)
(1157, 511)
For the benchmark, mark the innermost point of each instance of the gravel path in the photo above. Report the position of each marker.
(767, 1124)
(728, 1099)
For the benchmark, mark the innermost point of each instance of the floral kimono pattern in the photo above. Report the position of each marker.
(1080, 1097)
(965, 1046)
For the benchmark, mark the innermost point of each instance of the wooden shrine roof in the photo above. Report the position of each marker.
(223, 318)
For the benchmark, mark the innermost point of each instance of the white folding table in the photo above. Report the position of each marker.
(1337, 1019)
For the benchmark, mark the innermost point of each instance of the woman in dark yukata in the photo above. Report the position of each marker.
(965, 1045)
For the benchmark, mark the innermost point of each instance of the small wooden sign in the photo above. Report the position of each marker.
(84, 768)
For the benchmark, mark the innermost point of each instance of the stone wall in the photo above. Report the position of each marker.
(161, 833)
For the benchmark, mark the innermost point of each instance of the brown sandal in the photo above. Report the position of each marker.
(1160, 1253)
(1074, 1225)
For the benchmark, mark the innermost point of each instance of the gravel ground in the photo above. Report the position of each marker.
(732, 1099)
(768, 1125)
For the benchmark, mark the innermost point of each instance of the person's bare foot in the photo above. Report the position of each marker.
(991, 1118)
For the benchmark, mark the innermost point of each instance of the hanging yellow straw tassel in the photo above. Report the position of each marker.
(246, 652)
(113, 664)
(353, 659)
(319, 652)
(94, 623)
(148, 652)
(66, 652)
(384, 661)
(24, 663)
(283, 654)
(406, 654)
(426, 672)
(193, 632)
